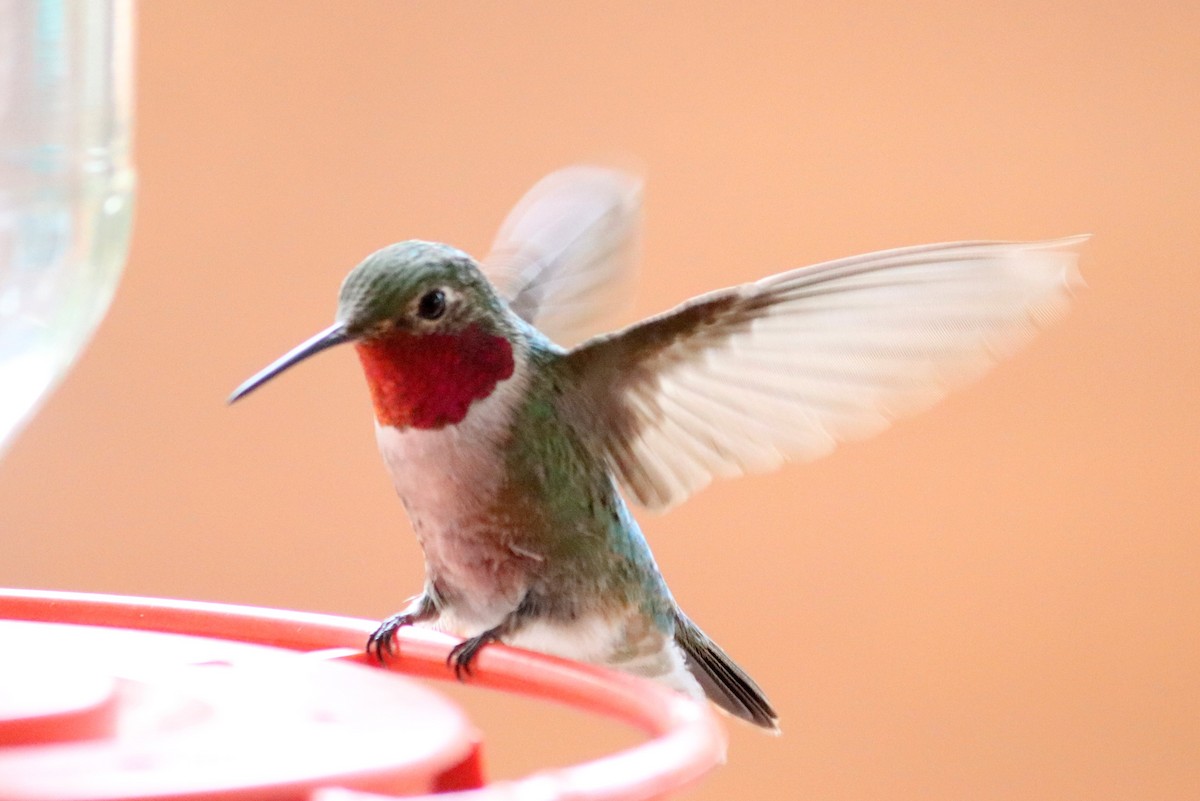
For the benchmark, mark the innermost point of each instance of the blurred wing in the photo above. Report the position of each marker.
(563, 257)
(745, 378)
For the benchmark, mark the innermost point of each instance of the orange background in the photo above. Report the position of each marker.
(997, 599)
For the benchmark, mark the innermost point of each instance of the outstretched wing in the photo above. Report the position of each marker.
(742, 379)
(563, 257)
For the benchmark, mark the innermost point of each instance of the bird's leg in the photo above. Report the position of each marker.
(381, 643)
(462, 655)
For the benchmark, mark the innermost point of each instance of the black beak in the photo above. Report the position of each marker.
(333, 335)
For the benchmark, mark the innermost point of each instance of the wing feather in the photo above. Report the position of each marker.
(564, 255)
(744, 379)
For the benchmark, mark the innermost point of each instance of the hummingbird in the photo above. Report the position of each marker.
(513, 447)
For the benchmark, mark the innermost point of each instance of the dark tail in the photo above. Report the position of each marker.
(726, 684)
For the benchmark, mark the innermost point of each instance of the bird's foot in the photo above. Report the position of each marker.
(462, 655)
(382, 642)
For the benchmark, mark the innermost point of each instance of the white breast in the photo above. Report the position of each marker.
(442, 471)
(448, 479)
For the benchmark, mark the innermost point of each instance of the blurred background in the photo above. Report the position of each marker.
(997, 599)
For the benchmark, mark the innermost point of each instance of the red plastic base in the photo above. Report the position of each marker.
(117, 705)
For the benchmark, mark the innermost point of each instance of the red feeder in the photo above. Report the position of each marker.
(134, 698)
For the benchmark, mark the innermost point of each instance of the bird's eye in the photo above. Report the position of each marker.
(432, 305)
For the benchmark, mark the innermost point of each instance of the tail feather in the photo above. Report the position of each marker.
(725, 684)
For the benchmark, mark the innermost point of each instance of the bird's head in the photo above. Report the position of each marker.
(430, 332)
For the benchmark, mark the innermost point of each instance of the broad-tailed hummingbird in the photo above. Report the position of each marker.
(511, 452)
